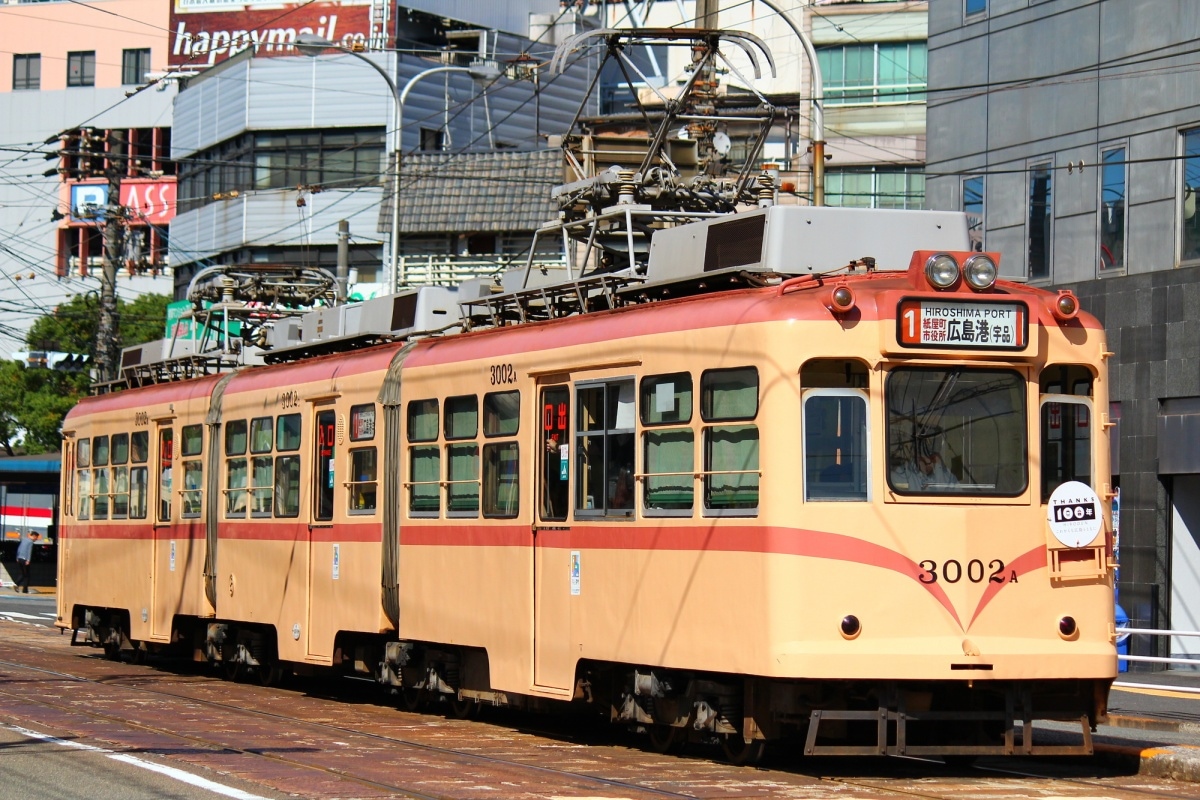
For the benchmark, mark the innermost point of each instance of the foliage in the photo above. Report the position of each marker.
(71, 328)
(33, 401)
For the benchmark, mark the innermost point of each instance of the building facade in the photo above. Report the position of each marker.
(274, 152)
(67, 67)
(1070, 129)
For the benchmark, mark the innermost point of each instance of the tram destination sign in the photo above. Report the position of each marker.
(957, 324)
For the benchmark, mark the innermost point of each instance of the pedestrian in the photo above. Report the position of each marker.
(24, 556)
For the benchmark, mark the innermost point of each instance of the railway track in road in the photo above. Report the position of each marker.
(314, 746)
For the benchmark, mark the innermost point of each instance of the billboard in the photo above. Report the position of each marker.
(149, 200)
(206, 32)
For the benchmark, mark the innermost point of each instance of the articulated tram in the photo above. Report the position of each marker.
(819, 476)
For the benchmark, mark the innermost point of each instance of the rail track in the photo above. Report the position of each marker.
(323, 739)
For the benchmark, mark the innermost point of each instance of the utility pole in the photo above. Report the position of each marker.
(107, 353)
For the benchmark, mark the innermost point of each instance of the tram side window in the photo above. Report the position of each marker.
(668, 446)
(501, 459)
(236, 484)
(139, 479)
(1066, 426)
(166, 460)
(262, 466)
(835, 445)
(462, 458)
(191, 496)
(424, 460)
(83, 475)
(364, 463)
(731, 474)
(604, 448)
(100, 476)
(120, 475)
(287, 468)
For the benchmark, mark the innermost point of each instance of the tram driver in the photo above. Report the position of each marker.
(927, 472)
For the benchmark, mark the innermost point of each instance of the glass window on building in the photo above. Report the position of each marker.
(134, 65)
(1112, 209)
(27, 71)
(872, 73)
(1189, 222)
(972, 206)
(973, 7)
(875, 187)
(1041, 213)
(81, 68)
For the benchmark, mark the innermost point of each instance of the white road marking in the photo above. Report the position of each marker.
(19, 615)
(161, 769)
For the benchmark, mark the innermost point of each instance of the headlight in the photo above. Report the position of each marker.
(980, 272)
(942, 271)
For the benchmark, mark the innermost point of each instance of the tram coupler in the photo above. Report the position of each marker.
(395, 656)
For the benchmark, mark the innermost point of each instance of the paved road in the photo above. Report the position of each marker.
(31, 609)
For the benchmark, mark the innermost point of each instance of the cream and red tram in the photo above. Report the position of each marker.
(867, 507)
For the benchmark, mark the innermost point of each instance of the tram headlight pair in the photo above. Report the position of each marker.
(979, 271)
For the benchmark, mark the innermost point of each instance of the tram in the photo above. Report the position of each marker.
(789, 474)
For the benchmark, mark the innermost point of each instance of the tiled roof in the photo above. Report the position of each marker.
(475, 192)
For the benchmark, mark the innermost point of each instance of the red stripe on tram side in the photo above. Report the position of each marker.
(733, 539)
(295, 530)
(122, 530)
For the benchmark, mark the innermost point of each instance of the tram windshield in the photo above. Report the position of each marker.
(956, 431)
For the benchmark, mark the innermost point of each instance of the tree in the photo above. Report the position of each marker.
(33, 401)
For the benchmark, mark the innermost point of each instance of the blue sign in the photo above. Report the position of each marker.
(88, 201)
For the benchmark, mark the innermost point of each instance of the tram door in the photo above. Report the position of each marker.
(554, 573)
(164, 531)
(324, 553)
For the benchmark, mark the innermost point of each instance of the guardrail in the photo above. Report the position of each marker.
(1157, 659)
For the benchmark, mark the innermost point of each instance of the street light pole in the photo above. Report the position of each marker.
(311, 45)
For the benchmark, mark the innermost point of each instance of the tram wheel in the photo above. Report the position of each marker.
(666, 739)
(412, 699)
(270, 674)
(231, 670)
(112, 650)
(139, 653)
(739, 752)
(464, 708)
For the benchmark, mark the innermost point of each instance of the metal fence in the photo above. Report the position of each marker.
(1192, 662)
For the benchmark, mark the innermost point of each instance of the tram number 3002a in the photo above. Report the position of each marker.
(502, 374)
(951, 571)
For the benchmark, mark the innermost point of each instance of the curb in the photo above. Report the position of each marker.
(1177, 762)
(1154, 724)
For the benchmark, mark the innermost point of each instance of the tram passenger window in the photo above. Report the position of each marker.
(323, 489)
(731, 467)
(364, 483)
(956, 431)
(120, 477)
(835, 445)
(553, 454)
(120, 492)
(501, 471)
(262, 485)
(100, 493)
(501, 460)
(139, 480)
(261, 434)
(140, 446)
(604, 449)
(191, 495)
(138, 491)
(362, 423)
(287, 485)
(462, 460)
(120, 448)
(84, 493)
(85, 453)
(668, 453)
(100, 451)
(287, 433)
(166, 460)
(425, 461)
(236, 485)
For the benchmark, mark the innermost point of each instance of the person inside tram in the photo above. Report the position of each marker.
(925, 472)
